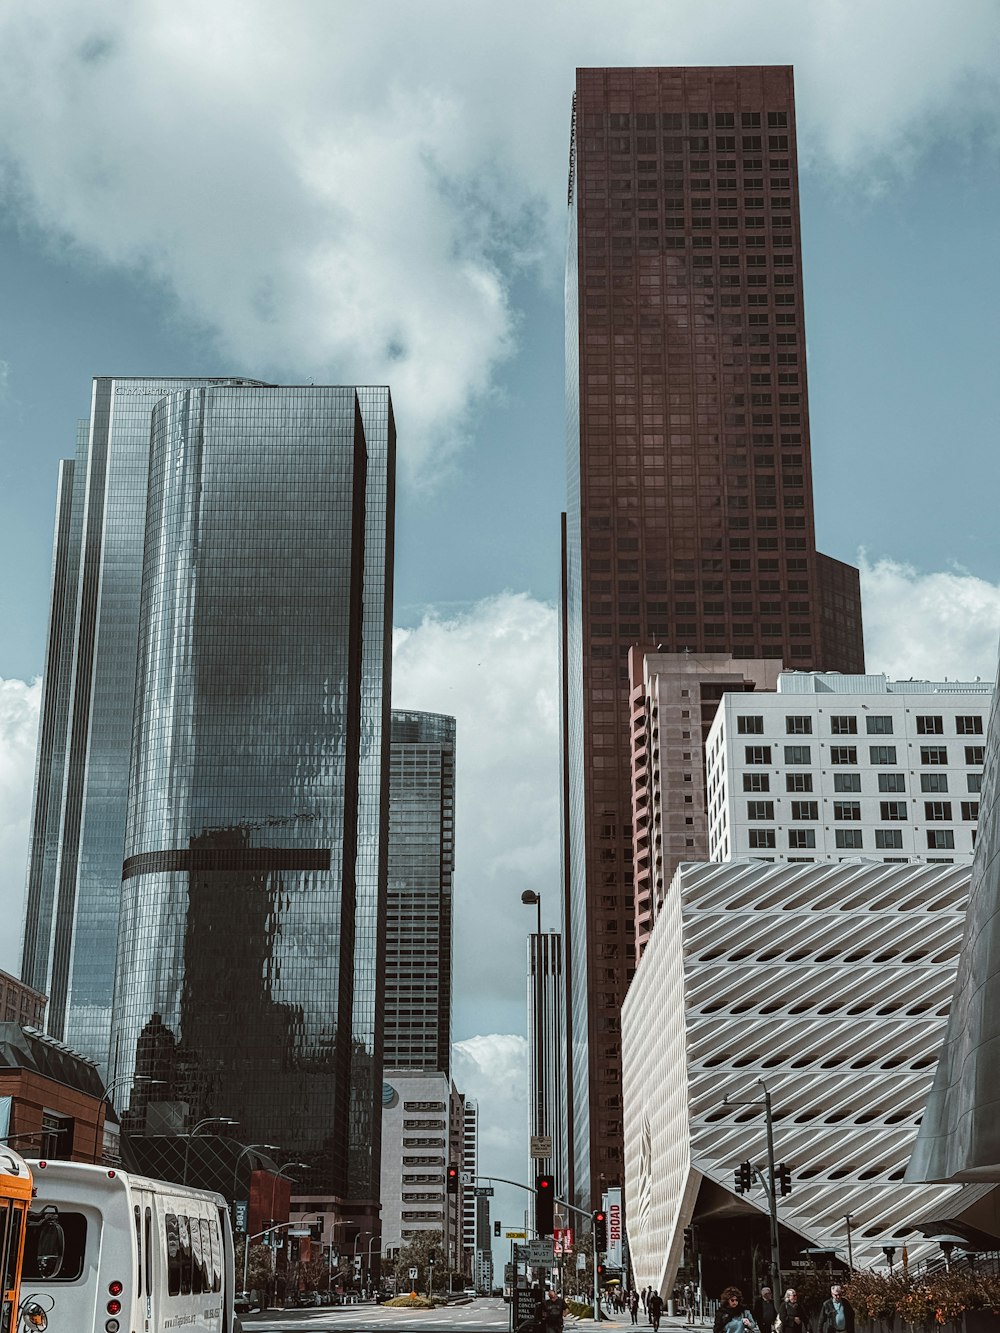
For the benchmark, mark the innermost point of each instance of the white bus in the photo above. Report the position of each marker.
(116, 1253)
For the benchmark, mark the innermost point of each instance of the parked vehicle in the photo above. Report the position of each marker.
(15, 1197)
(109, 1251)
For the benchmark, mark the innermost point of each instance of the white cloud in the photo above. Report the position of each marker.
(929, 625)
(19, 706)
(347, 191)
(495, 669)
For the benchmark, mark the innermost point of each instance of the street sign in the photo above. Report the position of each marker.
(465, 1177)
(240, 1211)
(539, 1253)
(525, 1305)
(413, 1275)
(299, 1231)
(541, 1146)
(581, 1261)
(483, 1191)
(516, 1235)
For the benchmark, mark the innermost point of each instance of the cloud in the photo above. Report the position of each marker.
(348, 191)
(929, 625)
(494, 668)
(19, 707)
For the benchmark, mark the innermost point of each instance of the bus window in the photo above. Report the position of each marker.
(206, 1255)
(138, 1246)
(149, 1251)
(54, 1248)
(6, 1295)
(13, 1248)
(197, 1267)
(173, 1238)
(213, 1228)
(184, 1236)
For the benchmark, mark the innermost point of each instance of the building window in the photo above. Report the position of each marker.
(878, 725)
(893, 810)
(933, 754)
(970, 809)
(57, 1135)
(762, 837)
(847, 810)
(843, 754)
(933, 782)
(760, 809)
(798, 782)
(801, 837)
(843, 726)
(750, 726)
(849, 838)
(889, 839)
(940, 839)
(847, 782)
(968, 726)
(975, 754)
(798, 754)
(930, 726)
(882, 754)
(974, 781)
(798, 726)
(939, 810)
(805, 810)
(892, 782)
(758, 754)
(756, 782)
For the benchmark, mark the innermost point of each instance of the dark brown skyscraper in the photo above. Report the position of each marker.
(690, 513)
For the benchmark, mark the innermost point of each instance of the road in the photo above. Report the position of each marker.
(483, 1315)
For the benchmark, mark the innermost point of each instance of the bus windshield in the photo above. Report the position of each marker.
(54, 1249)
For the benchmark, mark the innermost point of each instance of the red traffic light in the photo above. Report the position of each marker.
(452, 1180)
(544, 1183)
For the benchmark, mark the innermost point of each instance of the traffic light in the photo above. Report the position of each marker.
(267, 1228)
(743, 1178)
(690, 1241)
(545, 1189)
(431, 1255)
(453, 1180)
(315, 1230)
(783, 1176)
(600, 1231)
(496, 1227)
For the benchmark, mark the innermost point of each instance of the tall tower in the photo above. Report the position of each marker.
(690, 512)
(418, 976)
(249, 822)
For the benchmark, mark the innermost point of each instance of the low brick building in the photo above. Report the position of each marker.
(51, 1098)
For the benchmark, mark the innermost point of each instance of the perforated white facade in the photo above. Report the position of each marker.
(830, 981)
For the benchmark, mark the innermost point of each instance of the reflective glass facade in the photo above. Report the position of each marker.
(78, 822)
(248, 786)
(690, 512)
(419, 910)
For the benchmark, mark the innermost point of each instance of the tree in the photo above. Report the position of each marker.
(416, 1254)
(259, 1271)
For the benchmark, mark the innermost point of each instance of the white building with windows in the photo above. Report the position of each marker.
(834, 766)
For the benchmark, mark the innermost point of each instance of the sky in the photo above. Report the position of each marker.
(375, 193)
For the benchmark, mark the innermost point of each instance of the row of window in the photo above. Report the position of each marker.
(851, 782)
(848, 754)
(875, 725)
(808, 811)
(850, 839)
(677, 120)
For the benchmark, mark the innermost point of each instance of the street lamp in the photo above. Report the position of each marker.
(249, 1147)
(209, 1120)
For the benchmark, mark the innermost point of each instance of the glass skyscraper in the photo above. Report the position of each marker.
(250, 807)
(419, 911)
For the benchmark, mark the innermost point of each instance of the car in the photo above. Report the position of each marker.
(242, 1302)
(470, 1291)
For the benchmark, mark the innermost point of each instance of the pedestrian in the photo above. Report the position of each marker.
(633, 1306)
(733, 1316)
(643, 1296)
(553, 1312)
(765, 1311)
(688, 1298)
(837, 1314)
(654, 1305)
(792, 1316)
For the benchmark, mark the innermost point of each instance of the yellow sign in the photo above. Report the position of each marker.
(517, 1235)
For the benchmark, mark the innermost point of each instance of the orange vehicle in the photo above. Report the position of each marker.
(15, 1198)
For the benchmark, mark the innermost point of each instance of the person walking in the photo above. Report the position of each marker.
(837, 1314)
(765, 1312)
(792, 1316)
(645, 1296)
(733, 1314)
(553, 1312)
(654, 1307)
(633, 1306)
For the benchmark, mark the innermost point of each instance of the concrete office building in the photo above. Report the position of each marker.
(470, 1201)
(689, 513)
(831, 982)
(832, 766)
(232, 758)
(419, 900)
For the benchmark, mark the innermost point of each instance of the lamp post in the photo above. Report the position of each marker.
(531, 898)
(209, 1120)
